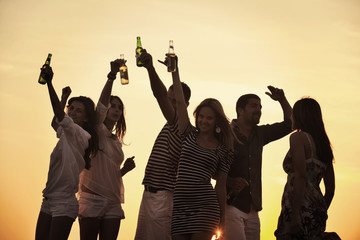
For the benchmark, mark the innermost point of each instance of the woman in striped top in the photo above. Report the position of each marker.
(206, 153)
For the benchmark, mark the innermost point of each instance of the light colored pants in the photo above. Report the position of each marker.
(240, 225)
(154, 221)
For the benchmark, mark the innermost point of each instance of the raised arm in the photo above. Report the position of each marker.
(66, 91)
(181, 107)
(279, 95)
(106, 92)
(55, 103)
(158, 88)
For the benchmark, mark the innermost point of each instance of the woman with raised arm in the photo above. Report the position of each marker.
(309, 160)
(101, 187)
(77, 141)
(206, 153)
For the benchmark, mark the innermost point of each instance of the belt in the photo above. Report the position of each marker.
(152, 189)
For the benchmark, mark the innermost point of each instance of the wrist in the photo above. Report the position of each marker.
(111, 76)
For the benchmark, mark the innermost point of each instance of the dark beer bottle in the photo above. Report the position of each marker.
(47, 63)
(138, 52)
(170, 57)
(123, 71)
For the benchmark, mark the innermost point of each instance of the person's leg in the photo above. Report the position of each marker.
(234, 225)
(43, 226)
(89, 228)
(109, 229)
(202, 236)
(252, 226)
(60, 228)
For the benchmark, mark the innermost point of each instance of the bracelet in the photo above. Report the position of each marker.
(111, 76)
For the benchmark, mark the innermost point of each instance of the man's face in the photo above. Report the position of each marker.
(252, 112)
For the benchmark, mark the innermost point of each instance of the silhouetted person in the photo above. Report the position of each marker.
(160, 174)
(206, 152)
(309, 160)
(244, 179)
(101, 187)
(77, 140)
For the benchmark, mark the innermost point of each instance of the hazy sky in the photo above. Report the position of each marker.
(225, 49)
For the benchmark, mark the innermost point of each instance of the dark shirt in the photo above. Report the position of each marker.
(248, 160)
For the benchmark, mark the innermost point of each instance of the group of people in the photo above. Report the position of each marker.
(179, 201)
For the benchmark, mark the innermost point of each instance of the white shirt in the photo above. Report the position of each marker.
(104, 177)
(66, 160)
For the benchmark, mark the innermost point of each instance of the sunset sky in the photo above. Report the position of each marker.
(225, 48)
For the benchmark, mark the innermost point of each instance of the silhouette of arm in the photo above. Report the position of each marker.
(129, 165)
(278, 95)
(220, 189)
(329, 182)
(181, 107)
(66, 91)
(55, 103)
(106, 92)
(158, 88)
(297, 148)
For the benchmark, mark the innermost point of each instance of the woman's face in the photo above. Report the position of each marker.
(206, 120)
(76, 110)
(115, 111)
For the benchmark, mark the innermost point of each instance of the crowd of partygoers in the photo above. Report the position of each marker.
(200, 180)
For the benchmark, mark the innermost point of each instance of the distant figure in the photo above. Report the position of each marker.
(244, 180)
(309, 160)
(77, 141)
(101, 187)
(206, 152)
(160, 174)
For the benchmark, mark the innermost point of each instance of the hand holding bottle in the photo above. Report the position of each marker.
(47, 74)
(146, 59)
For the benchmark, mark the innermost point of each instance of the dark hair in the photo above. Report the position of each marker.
(226, 136)
(120, 125)
(307, 117)
(186, 91)
(89, 126)
(243, 100)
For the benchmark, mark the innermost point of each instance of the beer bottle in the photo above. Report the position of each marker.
(170, 57)
(138, 53)
(123, 71)
(41, 80)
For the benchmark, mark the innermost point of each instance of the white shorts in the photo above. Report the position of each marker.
(60, 207)
(95, 206)
(154, 221)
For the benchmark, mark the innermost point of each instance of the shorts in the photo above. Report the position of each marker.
(95, 206)
(60, 207)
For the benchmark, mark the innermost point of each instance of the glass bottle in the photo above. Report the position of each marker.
(170, 57)
(123, 71)
(41, 80)
(138, 52)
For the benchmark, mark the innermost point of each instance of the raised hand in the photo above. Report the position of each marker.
(66, 91)
(146, 59)
(47, 73)
(276, 94)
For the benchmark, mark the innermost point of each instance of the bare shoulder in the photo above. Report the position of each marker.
(298, 138)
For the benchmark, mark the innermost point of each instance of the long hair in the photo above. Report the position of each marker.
(308, 118)
(89, 126)
(225, 136)
(120, 125)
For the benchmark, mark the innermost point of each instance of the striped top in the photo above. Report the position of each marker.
(196, 206)
(161, 169)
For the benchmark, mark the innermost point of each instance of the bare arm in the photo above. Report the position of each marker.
(297, 148)
(279, 95)
(55, 103)
(106, 92)
(220, 189)
(158, 88)
(181, 107)
(329, 182)
(66, 91)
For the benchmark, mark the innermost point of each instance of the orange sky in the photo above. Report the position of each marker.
(225, 49)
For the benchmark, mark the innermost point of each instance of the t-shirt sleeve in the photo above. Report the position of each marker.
(226, 158)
